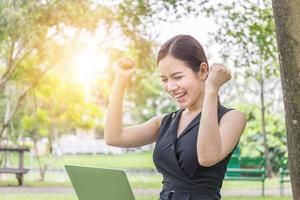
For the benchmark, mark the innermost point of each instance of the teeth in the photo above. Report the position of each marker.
(179, 95)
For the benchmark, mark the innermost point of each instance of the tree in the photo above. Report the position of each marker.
(37, 126)
(252, 141)
(27, 28)
(24, 33)
(247, 34)
(286, 14)
(69, 110)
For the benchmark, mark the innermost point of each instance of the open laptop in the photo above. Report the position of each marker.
(99, 184)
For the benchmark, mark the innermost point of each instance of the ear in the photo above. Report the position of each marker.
(203, 72)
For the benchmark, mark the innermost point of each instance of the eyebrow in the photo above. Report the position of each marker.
(175, 73)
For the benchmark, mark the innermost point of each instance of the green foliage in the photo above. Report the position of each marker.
(67, 106)
(148, 96)
(248, 38)
(28, 48)
(24, 25)
(247, 35)
(251, 143)
(33, 40)
(36, 125)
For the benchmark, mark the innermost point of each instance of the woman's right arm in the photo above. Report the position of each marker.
(114, 133)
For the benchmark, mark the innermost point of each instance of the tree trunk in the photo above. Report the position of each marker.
(263, 123)
(42, 169)
(287, 20)
(4, 134)
(20, 100)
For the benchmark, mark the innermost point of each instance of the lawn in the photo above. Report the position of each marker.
(58, 178)
(73, 197)
(137, 180)
(124, 161)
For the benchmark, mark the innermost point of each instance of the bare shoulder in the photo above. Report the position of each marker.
(158, 119)
(234, 117)
(233, 121)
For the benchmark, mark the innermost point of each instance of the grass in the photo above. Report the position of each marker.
(38, 197)
(60, 179)
(73, 197)
(148, 181)
(55, 196)
(124, 161)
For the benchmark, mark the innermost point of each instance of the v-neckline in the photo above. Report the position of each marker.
(178, 136)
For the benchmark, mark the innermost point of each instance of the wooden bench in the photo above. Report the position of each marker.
(246, 169)
(20, 171)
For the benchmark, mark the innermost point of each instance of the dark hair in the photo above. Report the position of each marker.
(185, 48)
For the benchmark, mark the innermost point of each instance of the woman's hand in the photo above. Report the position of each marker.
(217, 76)
(124, 69)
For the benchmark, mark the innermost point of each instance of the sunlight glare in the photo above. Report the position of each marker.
(89, 66)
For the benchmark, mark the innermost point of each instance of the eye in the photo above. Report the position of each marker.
(164, 80)
(178, 77)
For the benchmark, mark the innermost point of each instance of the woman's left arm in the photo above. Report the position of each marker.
(215, 141)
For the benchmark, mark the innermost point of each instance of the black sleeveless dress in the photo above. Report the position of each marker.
(176, 159)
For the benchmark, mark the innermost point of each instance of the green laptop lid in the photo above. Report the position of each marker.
(99, 184)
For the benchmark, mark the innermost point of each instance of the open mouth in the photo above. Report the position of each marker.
(179, 95)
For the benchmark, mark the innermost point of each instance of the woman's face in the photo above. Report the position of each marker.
(181, 82)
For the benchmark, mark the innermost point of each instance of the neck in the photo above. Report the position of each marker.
(197, 106)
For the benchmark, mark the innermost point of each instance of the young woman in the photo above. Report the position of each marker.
(194, 143)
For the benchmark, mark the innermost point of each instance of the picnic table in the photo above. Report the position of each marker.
(20, 170)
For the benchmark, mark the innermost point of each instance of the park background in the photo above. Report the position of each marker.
(55, 67)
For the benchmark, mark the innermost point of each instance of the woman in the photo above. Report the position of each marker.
(193, 144)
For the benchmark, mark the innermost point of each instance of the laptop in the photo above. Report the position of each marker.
(99, 183)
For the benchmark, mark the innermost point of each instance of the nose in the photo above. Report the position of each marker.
(171, 86)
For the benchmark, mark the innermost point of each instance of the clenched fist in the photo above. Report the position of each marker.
(124, 69)
(218, 75)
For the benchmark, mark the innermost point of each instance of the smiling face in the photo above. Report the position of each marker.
(181, 82)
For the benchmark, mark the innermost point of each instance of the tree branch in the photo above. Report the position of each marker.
(6, 76)
(21, 98)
